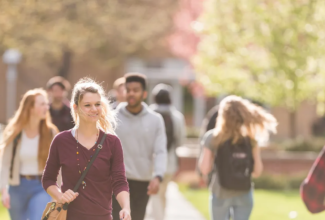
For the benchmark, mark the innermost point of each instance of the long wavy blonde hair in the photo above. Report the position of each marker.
(240, 118)
(21, 118)
(106, 120)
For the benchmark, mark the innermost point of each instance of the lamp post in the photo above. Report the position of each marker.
(11, 57)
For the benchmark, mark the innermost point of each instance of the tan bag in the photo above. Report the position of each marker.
(55, 211)
(58, 211)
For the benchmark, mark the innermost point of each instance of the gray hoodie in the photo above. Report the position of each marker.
(179, 134)
(143, 140)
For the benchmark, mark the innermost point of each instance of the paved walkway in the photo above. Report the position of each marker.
(178, 208)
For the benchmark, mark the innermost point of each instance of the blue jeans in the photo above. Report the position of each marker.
(27, 200)
(238, 207)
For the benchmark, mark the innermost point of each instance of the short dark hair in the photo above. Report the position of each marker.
(136, 77)
(161, 94)
(60, 81)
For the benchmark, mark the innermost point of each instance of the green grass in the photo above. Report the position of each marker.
(268, 205)
(4, 215)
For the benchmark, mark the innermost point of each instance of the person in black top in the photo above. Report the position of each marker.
(57, 89)
(210, 120)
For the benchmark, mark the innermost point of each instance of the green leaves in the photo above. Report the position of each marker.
(266, 50)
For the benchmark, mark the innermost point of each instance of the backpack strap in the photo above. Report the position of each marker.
(14, 150)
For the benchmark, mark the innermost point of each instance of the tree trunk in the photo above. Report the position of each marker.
(66, 63)
(292, 123)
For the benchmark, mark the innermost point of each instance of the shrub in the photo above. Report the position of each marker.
(270, 182)
(192, 132)
(295, 182)
(300, 144)
(278, 182)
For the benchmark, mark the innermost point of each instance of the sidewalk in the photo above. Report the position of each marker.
(178, 208)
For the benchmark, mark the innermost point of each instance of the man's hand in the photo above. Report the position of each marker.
(153, 187)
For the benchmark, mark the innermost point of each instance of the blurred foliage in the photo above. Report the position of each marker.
(112, 28)
(192, 132)
(271, 182)
(183, 41)
(278, 182)
(301, 144)
(272, 51)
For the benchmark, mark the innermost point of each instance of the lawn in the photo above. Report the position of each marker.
(3, 212)
(268, 205)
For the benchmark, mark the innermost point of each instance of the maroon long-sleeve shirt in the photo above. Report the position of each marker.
(106, 175)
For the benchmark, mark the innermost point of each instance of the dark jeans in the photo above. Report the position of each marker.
(138, 200)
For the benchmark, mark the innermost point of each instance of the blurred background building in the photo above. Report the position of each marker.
(280, 64)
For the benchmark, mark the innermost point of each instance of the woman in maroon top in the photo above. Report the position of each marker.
(72, 150)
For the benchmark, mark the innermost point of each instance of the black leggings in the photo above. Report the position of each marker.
(138, 200)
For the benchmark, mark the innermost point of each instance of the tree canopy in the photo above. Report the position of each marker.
(268, 50)
(113, 28)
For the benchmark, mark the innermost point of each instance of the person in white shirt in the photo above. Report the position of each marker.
(25, 147)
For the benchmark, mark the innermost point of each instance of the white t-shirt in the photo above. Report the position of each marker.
(29, 155)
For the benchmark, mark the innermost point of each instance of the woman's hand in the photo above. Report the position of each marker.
(123, 199)
(5, 199)
(68, 196)
(258, 164)
(125, 214)
(206, 161)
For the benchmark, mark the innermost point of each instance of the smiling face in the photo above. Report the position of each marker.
(40, 108)
(90, 107)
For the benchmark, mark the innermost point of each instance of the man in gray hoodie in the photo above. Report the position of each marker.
(143, 137)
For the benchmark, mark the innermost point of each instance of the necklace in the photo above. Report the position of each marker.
(78, 161)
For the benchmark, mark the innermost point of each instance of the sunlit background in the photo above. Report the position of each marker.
(269, 51)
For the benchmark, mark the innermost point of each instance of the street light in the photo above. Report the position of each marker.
(11, 57)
